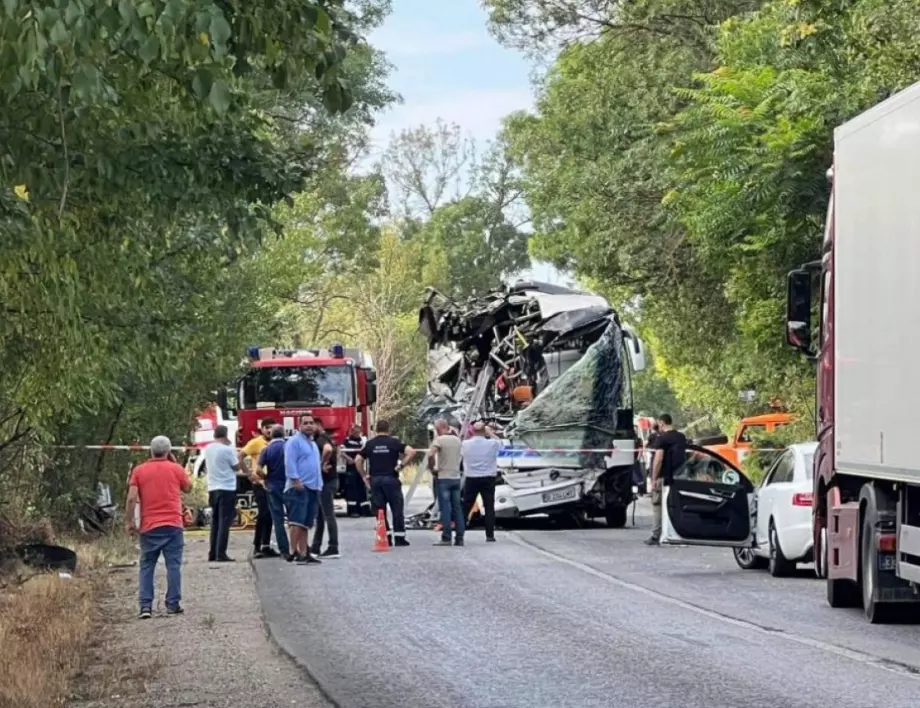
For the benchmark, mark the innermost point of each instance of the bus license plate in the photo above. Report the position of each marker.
(558, 496)
(886, 561)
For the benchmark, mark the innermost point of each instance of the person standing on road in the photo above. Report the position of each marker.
(302, 488)
(262, 538)
(157, 486)
(326, 516)
(355, 492)
(222, 468)
(444, 463)
(670, 452)
(479, 454)
(271, 460)
(386, 456)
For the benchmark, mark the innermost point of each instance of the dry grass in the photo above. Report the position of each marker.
(45, 625)
(48, 622)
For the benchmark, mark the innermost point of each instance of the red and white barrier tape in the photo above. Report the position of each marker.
(192, 448)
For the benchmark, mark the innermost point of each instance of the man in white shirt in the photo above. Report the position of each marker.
(223, 467)
(480, 467)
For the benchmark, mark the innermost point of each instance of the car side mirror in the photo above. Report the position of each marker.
(798, 311)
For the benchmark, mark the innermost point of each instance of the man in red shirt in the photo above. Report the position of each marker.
(157, 486)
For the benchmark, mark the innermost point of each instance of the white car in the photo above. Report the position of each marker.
(783, 520)
(710, 502)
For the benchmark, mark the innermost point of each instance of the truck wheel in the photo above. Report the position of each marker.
(876, 612)
(820, 553)
(779, 566)
(615, 516)
(747, 560)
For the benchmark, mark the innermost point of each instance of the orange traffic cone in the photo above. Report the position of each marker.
(380, 542)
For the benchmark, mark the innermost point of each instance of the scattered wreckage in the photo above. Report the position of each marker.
(551, 368)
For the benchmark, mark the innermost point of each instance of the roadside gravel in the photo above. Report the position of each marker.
(216, 655)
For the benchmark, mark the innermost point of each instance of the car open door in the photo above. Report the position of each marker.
(708, 503)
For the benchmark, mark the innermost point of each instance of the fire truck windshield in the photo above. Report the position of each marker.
(294, 386)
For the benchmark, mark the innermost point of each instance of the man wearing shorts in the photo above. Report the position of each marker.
(302, 488)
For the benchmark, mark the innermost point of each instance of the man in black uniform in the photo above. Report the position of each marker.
(355, 491)
(670, 453)
(386, 456)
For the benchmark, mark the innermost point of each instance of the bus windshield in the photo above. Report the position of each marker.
(295, 386)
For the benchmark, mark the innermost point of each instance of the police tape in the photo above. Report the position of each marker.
(424, 451)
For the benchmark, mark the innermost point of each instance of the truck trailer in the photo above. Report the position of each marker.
(865, 342)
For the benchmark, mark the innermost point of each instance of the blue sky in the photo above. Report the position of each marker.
(446, 65)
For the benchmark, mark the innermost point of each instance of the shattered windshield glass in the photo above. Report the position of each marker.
(577, 411)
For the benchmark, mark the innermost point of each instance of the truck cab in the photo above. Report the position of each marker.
(742, 443)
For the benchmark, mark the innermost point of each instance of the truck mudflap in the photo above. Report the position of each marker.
(843, 541)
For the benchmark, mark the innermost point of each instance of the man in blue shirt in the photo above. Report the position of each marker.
(302, 488)
(271, 459)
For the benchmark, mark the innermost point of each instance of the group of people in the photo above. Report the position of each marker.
(294, 479)
(476, 460)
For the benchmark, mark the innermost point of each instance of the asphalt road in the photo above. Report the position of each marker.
(579, 618)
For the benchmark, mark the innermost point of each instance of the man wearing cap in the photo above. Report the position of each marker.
(156, 486)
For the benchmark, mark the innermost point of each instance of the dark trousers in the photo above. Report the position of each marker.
(484, 487)
(276, 507)
(223, 514)
(388, 490)
(263, 532)
(326, 517)
(356, 494)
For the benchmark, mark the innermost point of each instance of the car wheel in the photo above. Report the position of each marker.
(779, 566)
(748, 560)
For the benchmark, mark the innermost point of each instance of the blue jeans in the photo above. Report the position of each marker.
(276, 507)
(451, 508)
(168, 540)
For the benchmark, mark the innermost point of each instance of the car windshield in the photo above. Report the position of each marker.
(291, 386)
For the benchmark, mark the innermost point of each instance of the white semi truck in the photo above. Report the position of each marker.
(867, 350)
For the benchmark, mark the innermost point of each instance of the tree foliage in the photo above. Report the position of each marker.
(677, 159)
(459, 205)
(144, 148)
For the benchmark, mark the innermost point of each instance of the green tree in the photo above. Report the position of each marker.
(143, 148)
(677, 159)
(459, 205)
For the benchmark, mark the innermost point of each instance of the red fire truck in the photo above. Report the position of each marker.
(338, 385)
